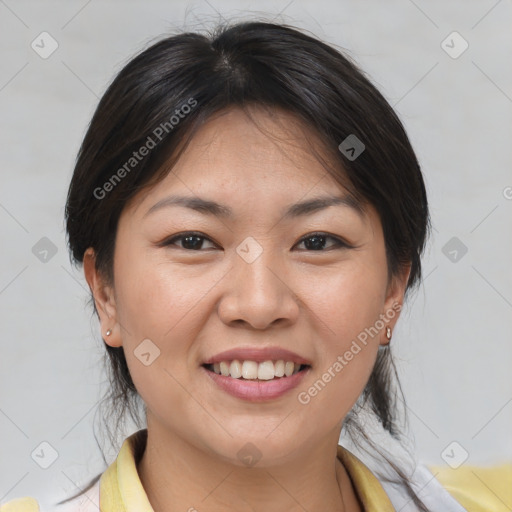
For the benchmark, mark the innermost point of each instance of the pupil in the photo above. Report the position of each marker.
(196, 245)
(315, 245)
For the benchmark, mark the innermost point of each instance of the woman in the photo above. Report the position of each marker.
(250, 217)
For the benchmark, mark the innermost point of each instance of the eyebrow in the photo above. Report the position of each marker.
(209, 207)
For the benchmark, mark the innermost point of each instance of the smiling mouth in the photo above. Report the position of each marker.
(251, 370)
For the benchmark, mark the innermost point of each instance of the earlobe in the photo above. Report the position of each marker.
(104, 300)
(394, 302)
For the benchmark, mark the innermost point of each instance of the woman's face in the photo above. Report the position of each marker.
(256, 278)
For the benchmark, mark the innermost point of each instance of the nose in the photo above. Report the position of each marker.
(258, 294)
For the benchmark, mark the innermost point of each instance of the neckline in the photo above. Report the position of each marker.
(121, 489)
(368, 489)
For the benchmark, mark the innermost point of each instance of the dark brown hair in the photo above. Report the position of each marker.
(271, 66)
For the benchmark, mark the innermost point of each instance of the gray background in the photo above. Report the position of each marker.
(453, 342)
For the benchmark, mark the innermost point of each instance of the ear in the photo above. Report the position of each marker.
(394, 301)
(103, 299)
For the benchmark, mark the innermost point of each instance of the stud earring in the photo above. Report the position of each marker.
(388, 333)
(109, 332)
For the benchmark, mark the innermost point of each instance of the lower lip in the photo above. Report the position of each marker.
(257, 390)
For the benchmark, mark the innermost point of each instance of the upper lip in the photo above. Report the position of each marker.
(257, 354)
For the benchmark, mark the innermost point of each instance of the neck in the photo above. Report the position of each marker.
(178, 476)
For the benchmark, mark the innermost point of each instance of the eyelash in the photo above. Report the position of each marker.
(339, 243)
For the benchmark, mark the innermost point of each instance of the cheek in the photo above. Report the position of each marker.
(346, 302)
(346, 308)
(162, 303)
(155, 297)
(155, 306)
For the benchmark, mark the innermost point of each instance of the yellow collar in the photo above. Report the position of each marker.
(367, 487)
(121, 489)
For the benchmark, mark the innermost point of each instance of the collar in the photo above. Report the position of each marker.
(121, 489)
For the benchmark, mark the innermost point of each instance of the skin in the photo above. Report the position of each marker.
(193, 304)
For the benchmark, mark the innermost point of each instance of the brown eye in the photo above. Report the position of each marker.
(317, 241)
(192, 241)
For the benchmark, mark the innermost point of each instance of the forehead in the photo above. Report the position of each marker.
(258, 167)
(239, 152)
(256, 137)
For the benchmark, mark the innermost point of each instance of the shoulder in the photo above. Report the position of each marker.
(86, 502)
(27, 504)
(478, 488)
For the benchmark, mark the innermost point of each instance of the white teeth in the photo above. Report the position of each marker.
(251, 370)
(279, 368)
(266, 370)
(224, 368)
(288, 368)
(235, 369)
